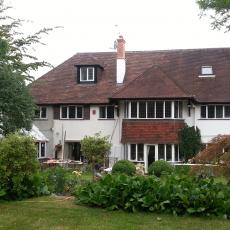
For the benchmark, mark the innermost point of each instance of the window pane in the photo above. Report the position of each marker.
(176, 106)
(211, 111)
(133, 109)
(161, 152)
(38, 149)
(64, 112)
(176, 148)
(79, 112)
(151, 109)
(37, 113)
(203, 111)
(227, 111)
(83, 74)
(140, 155)
(180, 109)
(142, 109)
(72, 112)
(102, 112)
(126, 112)
(43, 112)
(169, 152)
(43, 149)
(168, 109)
(219, 111)
(90, 74)
(110, 111)
(133, 152)
(159, 109)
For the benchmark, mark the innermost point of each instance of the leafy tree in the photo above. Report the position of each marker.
(95, 149)
(18, 163)
(190, 141)
(219, 12)
(16, 104)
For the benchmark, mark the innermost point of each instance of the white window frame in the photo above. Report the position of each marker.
(136, 159)
(39, 149)
(214, 118)
(40, 113)
(106, 112)
(87, 76)
(76, 108)
(155, 112)
(208, 74)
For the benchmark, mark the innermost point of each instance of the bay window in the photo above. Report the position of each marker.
(153, 109)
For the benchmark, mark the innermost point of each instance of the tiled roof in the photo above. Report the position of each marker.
(149, 74)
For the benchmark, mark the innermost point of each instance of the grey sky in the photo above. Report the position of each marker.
(89, 25)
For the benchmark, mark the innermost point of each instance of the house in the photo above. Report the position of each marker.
(140, 99)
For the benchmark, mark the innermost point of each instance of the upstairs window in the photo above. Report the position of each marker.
(87, 74)
(215, 111)
(154, 109)
(71, 112)
(41, 113)
(106, 112)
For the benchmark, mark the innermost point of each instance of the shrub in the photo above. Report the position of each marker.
(125, 167)
(60, 180)
(177, 194)
(182, 169)
(190, 141)
(18, 166)
(160, 167)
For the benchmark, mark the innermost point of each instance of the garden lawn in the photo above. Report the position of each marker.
(62, 213)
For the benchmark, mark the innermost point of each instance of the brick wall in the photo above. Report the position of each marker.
(151, 131)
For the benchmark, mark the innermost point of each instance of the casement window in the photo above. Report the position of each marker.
(137, 152)
(153, 109)
(87, 74)
(41, 149)
(165, 152)
(215, 111)
(106, 112)
(41, 112)
(178, 109)
(71, 112)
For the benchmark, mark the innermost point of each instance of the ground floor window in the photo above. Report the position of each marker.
(153, 152)
(74, 151)
(137, 152)
(41, 149)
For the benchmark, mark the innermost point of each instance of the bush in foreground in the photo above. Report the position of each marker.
(160, 167)
(173, 194)
(18, 168)
(124, 167)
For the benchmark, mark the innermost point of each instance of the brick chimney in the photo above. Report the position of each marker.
(121, 66)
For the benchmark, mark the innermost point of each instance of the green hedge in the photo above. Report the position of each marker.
(125, 167)
(160, 167)
(173, 194)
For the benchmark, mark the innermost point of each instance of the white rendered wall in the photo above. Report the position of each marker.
(120, 70)
(76, 130)
(46, 127)
(210, 128)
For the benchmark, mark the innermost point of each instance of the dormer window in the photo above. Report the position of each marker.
(87, 74)
(206, 71)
